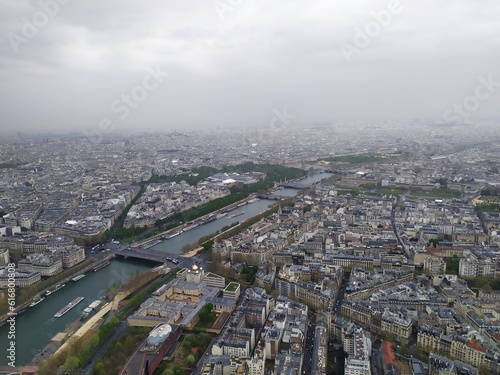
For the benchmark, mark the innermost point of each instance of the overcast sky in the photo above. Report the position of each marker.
(237, 62)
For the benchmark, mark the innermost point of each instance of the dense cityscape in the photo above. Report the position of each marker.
(336, 248)
(233, 187)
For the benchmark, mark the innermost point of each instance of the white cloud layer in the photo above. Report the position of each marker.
(233, 71)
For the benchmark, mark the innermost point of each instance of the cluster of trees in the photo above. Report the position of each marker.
(491, 191)
(206, 314)
(122, 348)
(176, 370)
(443, 181)
(485, 283)
(207, 245)
(192, 347)
(452, 265)
(122, 232)
(249, 272)
(74, 356)
(273, 173)
(487, 207)
(253, 188)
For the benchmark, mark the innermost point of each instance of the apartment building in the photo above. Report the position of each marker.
(22, 279)
(357, 344)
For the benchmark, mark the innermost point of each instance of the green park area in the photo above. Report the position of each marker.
(184, 360)
(434, 193)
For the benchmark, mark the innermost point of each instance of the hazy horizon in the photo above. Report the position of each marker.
(72, 66)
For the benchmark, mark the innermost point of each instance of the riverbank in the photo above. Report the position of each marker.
(85, 327)
(193, 252)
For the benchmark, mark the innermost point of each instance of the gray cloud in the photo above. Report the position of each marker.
(262, 55)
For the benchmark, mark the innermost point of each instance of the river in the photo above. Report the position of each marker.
(37, 326)
(175, 244)
(289, 192)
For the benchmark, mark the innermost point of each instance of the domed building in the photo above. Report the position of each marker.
(159, 334)
(195, 274)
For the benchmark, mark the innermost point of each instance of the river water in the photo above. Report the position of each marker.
(175, 244)
(37, 326)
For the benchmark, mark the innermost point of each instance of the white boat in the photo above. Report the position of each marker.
(36, 302)
(58, 286)
(76, 278)
(173, 235)
(220, 216)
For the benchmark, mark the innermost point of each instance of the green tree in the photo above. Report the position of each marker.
(453, 264)
(483, 282)
(178, 370)
(190, 360)
(71, 364)
(99, 368)
(187, 344)
(129, 344)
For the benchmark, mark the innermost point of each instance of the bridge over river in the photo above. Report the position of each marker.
(147, 254)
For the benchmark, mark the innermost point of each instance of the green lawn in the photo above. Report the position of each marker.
(435, 193)
(232, 287)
